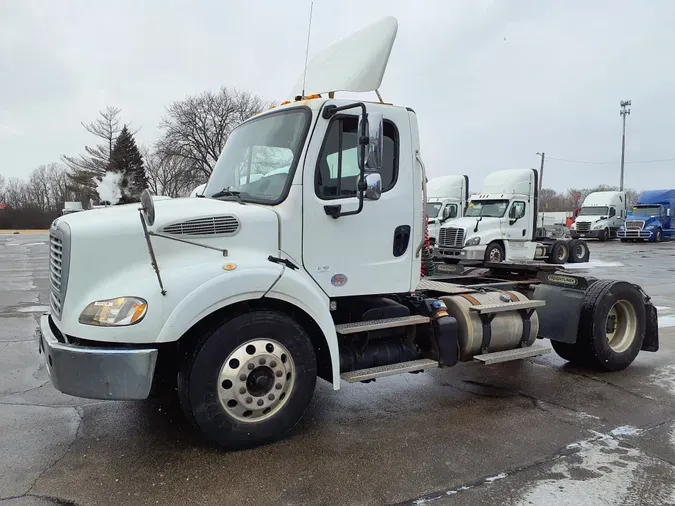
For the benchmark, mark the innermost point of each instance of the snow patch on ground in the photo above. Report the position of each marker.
(625, 430)
(664, 376)
(593, 264)
(666, 321)
(33, 309)
(600, 473)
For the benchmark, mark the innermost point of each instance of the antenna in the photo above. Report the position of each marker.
(309, 32)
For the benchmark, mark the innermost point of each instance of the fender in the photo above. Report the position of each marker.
(297, 288)
(216, 293)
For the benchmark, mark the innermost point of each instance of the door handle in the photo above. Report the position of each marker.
(401, 239)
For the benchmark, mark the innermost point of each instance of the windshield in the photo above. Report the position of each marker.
(433, 208)
(594, 211)
(487, 208)
(259, 156)
(647, 210)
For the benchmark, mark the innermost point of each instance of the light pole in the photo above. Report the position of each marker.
(625, 111)
(541, 170)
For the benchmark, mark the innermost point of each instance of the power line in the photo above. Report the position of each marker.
(609, 163)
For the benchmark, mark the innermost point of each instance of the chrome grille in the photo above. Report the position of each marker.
(214, 225)
(59, 259)
(451, 237)
(583, 226)
(635, 225)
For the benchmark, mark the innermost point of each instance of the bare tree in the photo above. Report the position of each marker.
(196, 128)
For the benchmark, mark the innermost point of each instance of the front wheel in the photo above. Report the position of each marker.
(659, 235)
(604, 235)
(250, 381)
(494, 253)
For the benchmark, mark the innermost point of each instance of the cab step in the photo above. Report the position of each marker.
(385, 323)
(388, 370)
(508, 355)
(507, 306)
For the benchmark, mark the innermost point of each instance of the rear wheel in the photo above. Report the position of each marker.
(559, 253)
(250, 381)
(612, 327)
(494, 253)
(579, 252)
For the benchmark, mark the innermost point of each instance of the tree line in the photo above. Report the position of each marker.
(193, 132)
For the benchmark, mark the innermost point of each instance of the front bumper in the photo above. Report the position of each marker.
(471, 253)
(635, 234)
(593, 234)
(96, 372)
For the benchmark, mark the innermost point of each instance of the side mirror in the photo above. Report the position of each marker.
(668, 212)
(148, 207)
(375, 141)
(373, 185)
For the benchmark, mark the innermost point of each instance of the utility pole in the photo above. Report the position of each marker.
(625, 111)
(541, 171)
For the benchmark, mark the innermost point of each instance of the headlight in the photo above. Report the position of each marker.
(474, 241)
(573, 227)
(597, 227)
(114, 312)
(650, 227)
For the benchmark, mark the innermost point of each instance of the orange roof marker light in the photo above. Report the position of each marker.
(285, 102)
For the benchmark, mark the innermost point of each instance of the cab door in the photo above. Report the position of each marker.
(514, 223)
(372, 251)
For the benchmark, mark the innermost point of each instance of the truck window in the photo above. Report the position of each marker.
(517, 210)
(337, 170)
(612, 212)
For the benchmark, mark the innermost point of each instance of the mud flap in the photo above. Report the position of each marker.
(651, 341)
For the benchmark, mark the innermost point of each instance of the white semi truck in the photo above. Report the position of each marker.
(602, 215)
(447, 197)
(243, 297)
(500, 224)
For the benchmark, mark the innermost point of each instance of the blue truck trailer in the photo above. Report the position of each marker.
(651, 218)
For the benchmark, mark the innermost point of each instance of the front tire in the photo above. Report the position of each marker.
(659, 235)
(494, 253)
(249, 382)
(604, 235)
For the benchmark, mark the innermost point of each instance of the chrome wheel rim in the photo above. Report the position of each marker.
(621, 326)
(495, 255)
(256, 380)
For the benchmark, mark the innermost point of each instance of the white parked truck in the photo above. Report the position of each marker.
(500, 223)
(447, 197)
(242, 298)
(601, 216)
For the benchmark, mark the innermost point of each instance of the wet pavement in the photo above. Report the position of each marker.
(529, 432)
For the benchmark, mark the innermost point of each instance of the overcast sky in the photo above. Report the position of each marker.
(493, 82)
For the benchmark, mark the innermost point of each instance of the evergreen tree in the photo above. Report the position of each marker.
(126, 159)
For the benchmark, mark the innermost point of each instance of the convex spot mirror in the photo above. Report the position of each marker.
(148, 208)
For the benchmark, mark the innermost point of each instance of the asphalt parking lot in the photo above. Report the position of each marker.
(527, 432)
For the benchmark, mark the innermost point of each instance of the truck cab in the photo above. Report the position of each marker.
(499, 222)
(650, 218)
(447, 197)
(601, 216)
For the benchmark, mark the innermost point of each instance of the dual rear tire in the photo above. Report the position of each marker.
(612, 327)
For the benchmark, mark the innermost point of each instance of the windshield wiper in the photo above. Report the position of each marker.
(226, 192)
